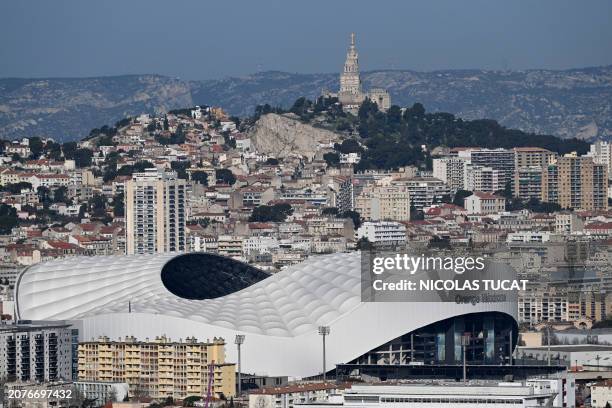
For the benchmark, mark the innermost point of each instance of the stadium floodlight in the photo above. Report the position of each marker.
(239, 340)
(324, 332)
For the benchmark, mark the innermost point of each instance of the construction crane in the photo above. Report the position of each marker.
(211, 374)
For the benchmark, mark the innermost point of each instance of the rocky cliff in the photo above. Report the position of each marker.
(282, 135)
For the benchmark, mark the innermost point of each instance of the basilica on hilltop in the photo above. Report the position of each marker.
(351, 94)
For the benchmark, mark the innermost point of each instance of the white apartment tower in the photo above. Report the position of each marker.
(155, 212)
(500, 160)
(601, 154)
(451, 170)
(479, 178)
(36, 352)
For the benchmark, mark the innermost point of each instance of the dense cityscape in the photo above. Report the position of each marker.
(141, 265)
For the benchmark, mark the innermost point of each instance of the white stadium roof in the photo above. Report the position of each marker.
(117, 296)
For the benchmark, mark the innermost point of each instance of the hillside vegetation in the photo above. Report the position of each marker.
(402, 137)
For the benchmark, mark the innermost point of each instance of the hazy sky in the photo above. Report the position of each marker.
(201, 39)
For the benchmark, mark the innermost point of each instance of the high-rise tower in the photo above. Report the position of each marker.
(155, 212)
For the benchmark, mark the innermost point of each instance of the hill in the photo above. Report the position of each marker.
(394, 138)
(67, 109)
(567, 103)
(571, 103)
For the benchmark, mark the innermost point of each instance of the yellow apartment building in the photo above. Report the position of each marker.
(160, 368)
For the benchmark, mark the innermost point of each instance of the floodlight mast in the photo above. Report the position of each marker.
(239, 340)
(324, 332)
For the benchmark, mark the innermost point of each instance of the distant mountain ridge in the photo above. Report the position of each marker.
(576, 102)
(68, 108)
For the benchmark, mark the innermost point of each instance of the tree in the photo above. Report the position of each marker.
(329, 211)
(353, 215)
(53, 150)
(364, 244)
(105, 140)
(395, 139)
(123, 122)
(118, 206)
(204, 222)
(82, 211)
(189, 401)
(36, 146)
(332, 159)
(44, 195)
(181, 168)
(60, 194)
(348, 146)
(225, 176)
(69, 148)
(303, 108)
(507, 191)
(271, 213)
(8, 219)
(127, 170)
(446, 198)
(460, 197)
(416, 215)
(82, 157)
(537, 206)
(15, 188)
(97, 205)
(439, 242)
(200, 177)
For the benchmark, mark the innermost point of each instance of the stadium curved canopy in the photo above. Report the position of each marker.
(206, 296)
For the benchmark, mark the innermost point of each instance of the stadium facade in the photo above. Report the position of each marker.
(206, 295)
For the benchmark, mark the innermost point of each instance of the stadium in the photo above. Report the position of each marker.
(207, 295)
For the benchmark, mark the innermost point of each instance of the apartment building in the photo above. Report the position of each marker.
(383, 233)
(389, 202)
(502, 160)
(602, 154)
(486, 179)
(484, 203)
(592, 305)
(451, 170)
(425, 191)
(36, 352)
(528, 183)
(155, 212)
(568, 222)
(576, 182)
(160, 368)
(251, 197)
(342, 194)
(230, 246)
(542, 306)
(532, 156)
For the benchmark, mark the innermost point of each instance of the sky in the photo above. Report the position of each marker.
(201, 39)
